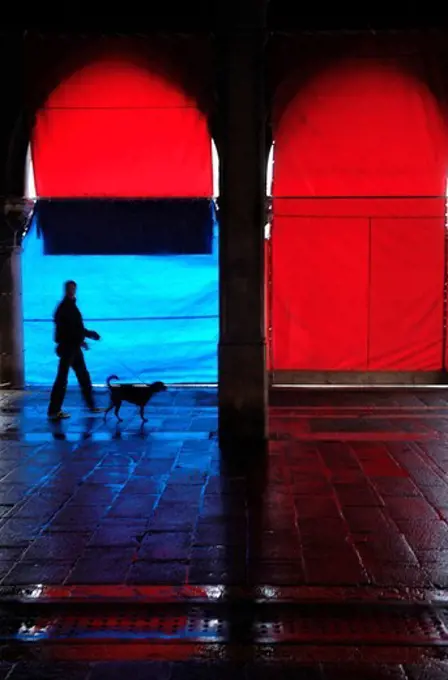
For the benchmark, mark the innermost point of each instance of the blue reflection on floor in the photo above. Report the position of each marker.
(158, 315)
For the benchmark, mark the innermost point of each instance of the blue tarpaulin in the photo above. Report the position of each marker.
(158, 316)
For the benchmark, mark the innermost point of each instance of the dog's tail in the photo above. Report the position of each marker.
(110, 378)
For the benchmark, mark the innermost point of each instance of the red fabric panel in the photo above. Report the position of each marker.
(320, 293)
(367, 208)
(122, 153)
(361, 129)
(117, 82)
(114, 130)
(406, 294)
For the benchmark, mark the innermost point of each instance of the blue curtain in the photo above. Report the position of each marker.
(158, 316)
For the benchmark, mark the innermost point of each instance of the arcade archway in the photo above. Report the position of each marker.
(125, 172)
(358, 238)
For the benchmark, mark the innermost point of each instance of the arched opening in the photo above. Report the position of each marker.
(125, 172)
(358, 239)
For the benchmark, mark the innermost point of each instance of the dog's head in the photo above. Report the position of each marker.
(158, 387)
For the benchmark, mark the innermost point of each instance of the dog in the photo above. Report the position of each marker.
(138, 394)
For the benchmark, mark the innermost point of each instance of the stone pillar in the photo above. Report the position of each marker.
(11, 319)
(241, 114)
(14, 212)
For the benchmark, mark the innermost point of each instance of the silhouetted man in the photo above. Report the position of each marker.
(70, 335)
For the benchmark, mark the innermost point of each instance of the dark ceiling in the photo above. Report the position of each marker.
(213, 15)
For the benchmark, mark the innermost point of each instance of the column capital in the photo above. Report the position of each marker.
(15, 217)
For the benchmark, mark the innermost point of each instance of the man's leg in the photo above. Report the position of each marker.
(59, 386)
(83, 376)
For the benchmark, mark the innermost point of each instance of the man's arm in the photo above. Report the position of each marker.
(92, 335)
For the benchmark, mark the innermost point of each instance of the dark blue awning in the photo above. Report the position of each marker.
(126, 227)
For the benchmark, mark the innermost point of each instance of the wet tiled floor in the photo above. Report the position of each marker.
(352, 498)
(221, 671)
(354, 492)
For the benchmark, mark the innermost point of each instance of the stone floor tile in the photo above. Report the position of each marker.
(27, 573)
(102, 565)
(144, 572)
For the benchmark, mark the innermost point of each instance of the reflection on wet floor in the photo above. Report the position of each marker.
(350, 505)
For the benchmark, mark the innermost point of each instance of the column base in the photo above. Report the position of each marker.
(243, 398)
(11, 375)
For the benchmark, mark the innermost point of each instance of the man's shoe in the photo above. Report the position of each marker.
(60, 415)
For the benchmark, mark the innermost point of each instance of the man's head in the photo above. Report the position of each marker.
(70, 289)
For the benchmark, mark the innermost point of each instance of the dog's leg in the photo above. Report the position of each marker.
(117, 409)
(108, 409)
(142, 414)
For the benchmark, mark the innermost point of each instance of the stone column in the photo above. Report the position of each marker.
(13, 212)
(11, 318)
(241, 115)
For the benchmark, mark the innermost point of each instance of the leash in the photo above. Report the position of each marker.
(133, 374)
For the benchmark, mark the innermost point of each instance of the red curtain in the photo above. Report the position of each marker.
(406, 294)
(113, 129)
(317, 284)
(358, 282)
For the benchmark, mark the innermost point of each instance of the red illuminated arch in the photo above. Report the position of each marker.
(358, 284)
(114, 129)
